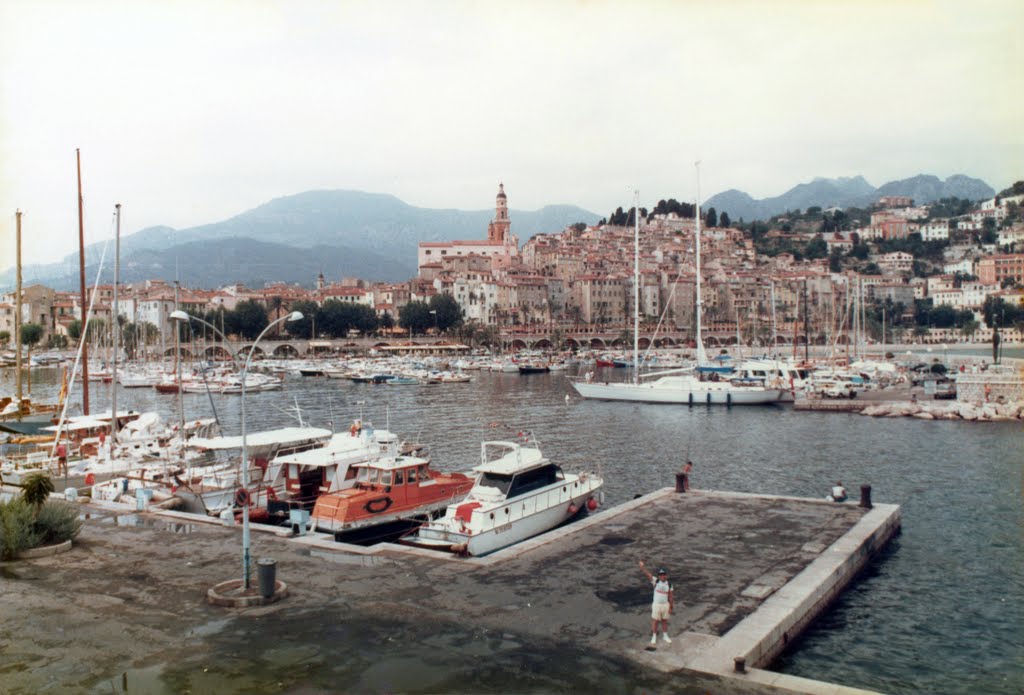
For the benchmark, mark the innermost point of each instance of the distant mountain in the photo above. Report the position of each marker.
(846, 192)
(292, 239)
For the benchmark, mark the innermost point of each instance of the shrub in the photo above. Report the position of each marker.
(57, 522)
(36, 489)
(17, 528)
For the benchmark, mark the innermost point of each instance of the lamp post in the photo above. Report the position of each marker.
(246, 544)
(246, 583)
(180, 315)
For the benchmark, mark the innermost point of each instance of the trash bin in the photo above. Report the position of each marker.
(266, 569)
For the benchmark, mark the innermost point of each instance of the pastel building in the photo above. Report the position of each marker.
(501, 246)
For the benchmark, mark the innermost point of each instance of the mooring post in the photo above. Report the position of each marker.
(682, 484)
(865, 496)
(739, 664)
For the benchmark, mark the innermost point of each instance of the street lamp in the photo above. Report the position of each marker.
(246, 583)
(180, 315)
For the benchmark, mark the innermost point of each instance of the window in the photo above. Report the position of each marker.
(399, 477)
(385, 477)
(412, 476)
(363, 475)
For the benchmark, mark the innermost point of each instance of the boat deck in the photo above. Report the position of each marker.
(749, 572)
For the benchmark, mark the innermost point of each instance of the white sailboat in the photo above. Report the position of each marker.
(682, 385)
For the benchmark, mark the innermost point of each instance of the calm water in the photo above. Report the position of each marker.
(942, 611)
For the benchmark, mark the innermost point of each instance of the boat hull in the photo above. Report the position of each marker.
(703, 393)
(504, 535)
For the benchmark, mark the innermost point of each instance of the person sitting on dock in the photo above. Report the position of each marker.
(838, 492)
(663, 604)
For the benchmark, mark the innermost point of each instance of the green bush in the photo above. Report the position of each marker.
(17, 528)
(57, 522)
(22, 528)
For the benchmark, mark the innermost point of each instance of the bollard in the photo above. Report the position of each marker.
(865, 496)
(266, 568)
(739, 664)
(682, 484)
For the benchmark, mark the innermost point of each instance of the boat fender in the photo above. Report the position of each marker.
(573, 510)
(381, 504)
(242, 497)
(592, 504)
(90, 479)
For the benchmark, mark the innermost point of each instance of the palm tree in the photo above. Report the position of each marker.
(36, 489)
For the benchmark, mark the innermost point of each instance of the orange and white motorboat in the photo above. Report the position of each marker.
(391, 495)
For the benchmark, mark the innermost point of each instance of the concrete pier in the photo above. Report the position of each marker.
(749, 571)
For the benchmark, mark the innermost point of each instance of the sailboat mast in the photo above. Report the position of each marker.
(17, 311)
(698, 306)
(636, 287)
(81, 278)
(775, 332)
(117, 328)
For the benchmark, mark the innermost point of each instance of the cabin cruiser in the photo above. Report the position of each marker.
(519, 494)
(390, 496)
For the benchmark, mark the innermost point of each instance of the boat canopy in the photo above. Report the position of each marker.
(286, 436)
(515, 459)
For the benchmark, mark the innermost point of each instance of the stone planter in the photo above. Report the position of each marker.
(45, 551)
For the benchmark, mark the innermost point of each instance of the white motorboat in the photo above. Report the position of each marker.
(519, 494)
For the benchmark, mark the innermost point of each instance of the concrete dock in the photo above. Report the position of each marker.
(125, 610)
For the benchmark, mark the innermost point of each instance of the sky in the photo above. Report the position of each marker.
(188, 113)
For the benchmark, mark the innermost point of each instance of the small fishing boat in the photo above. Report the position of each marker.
(391, 496)
(519, 494)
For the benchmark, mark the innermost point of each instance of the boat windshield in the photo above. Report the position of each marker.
(534, 479)
(495, 480)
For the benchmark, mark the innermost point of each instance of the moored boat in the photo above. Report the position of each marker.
(390, 496)
(519, 494)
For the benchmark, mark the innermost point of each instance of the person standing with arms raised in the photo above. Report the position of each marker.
(663, 604)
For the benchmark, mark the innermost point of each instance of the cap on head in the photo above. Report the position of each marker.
(662, 570)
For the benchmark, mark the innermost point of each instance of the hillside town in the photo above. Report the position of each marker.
(898, 272)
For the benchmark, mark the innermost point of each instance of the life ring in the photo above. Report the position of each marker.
(381, 504)
(242, 497)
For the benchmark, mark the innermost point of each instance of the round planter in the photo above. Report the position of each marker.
(45, 551)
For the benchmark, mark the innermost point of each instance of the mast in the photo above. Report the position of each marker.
(807, 331)
(177, 367)
(17, 312)
(636, 287)
(775, 334)
(698, 308)
(117, 329)
(81, 277)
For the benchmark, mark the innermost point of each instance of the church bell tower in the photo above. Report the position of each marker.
(498, 229)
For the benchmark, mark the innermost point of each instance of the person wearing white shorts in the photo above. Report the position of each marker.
(663, 604)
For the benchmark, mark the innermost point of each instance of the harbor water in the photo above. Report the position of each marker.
(940, 611)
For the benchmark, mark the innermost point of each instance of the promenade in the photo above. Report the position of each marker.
(126, 609)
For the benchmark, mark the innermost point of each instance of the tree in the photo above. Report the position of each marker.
(36, 489)
(449, 313)
(275, 304)
(250, 319)
(723, 219)
(5, 337)
(416, 317)
(711, 219)
(75, 330)
(31, 333)
(835, 260)
(303, 328)
(969, 328)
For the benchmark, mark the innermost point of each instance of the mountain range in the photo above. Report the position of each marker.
(294, 238)
(846, 192)
(374, 236)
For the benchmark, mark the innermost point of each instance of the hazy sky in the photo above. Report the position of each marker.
(191, 112)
